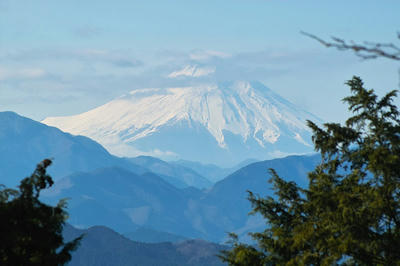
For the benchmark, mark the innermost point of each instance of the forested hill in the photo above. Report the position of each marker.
(103, 246)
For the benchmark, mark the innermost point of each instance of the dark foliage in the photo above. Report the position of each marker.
(350, 212)
(31, 231)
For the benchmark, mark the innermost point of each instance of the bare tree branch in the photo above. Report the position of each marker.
(367, 50)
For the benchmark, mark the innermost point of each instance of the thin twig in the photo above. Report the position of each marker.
(368, 50)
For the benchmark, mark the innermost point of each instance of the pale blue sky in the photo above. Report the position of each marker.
(66, 57)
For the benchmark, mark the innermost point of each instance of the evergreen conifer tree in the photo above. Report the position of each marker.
(31, 231)
(350, 212)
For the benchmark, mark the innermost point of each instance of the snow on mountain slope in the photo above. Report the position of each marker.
(226, 122)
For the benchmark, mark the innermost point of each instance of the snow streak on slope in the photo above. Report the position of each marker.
(246, 110)
(192, 71)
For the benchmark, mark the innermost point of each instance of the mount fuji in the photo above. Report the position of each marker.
(220, 123)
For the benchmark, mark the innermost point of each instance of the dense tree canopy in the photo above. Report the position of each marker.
(31, 231)
(350, 212)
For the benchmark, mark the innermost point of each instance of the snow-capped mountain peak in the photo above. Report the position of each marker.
(192, 71)
(241, 118)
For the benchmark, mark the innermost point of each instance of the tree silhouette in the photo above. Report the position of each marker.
(31, 231)
(365, 50)
(350, 212)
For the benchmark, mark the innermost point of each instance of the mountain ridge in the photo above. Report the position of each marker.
(103, 246)
(170, 172)
(126, 201)
(26, 142)
(235, 121)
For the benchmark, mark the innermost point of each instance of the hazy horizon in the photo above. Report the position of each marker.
(64, 58)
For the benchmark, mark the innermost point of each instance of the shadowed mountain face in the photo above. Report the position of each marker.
(148, 235)
(107, 190)
(177, 175)
(25, 142)
(126, 201)
(230, 194)
(123, 200)
(212, 172)
(103, 246)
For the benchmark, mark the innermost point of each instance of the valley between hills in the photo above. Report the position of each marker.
(132, 206)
